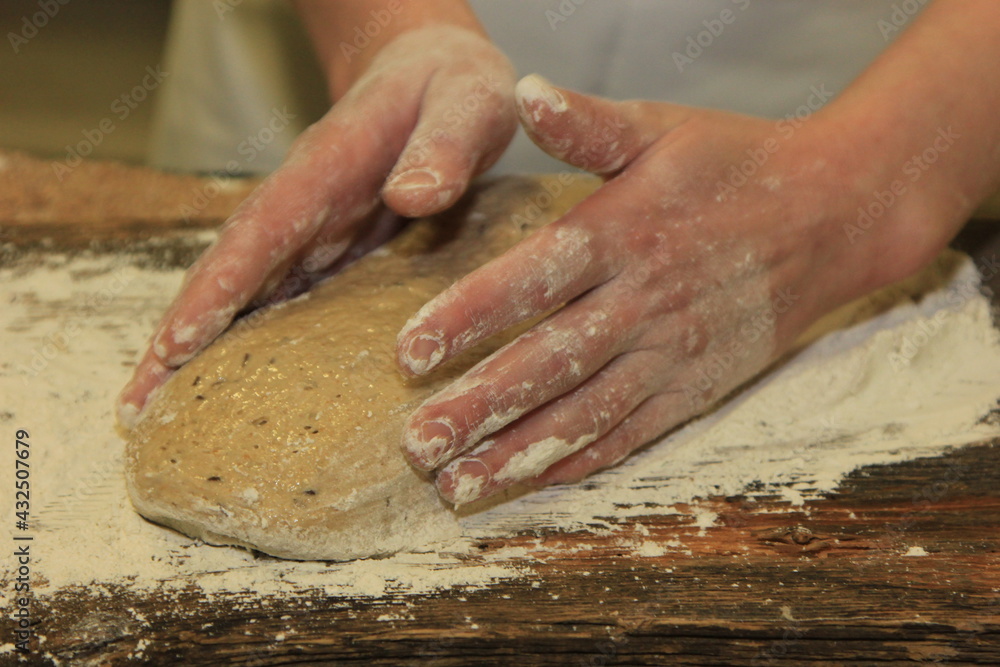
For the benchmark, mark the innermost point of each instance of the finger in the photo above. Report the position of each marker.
(330, 253)
(149, 374)
(465, 123)
(547, 361)
(295, 275)
(528, 447)
(650, 420)
(599, 135)
(331, 177)
(550, 267)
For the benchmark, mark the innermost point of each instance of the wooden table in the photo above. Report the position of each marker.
(823, 582)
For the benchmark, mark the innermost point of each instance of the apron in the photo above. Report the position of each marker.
(243, 82)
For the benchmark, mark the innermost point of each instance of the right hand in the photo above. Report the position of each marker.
(433, 109)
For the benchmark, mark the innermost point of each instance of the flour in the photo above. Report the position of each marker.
(840, 404)
(903, 380)
(915, 552)
(565, 262)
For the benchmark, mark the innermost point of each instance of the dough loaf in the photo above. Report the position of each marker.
(283, 435)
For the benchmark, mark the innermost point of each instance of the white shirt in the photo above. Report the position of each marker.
(233, 65)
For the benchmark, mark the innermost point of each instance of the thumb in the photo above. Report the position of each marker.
(593, 133)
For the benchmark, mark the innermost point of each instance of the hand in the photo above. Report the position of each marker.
(432, 109)
(675, 289)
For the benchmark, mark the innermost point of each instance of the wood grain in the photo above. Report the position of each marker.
(826, 582)
(738, 597)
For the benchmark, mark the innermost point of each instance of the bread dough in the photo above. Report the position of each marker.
(283, 435)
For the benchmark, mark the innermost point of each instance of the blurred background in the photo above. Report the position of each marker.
(73, 70)
(62, 74)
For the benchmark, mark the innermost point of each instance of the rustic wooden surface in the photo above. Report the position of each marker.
(771, 584)
(824, 583)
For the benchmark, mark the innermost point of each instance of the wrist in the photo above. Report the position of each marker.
(915, 138)
(892, 191)
(846, 204)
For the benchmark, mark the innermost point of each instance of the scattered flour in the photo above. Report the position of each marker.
(655, 549)
(704, 519)
(908, 381)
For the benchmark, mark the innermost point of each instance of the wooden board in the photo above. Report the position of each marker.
(770, 584)
(841, 595)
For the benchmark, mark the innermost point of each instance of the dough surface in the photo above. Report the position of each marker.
(283, 435)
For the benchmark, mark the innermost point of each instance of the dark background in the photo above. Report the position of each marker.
(67, 76)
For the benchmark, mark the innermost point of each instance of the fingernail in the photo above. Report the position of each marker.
(466, 486)
(537, 89)
(423, 353)
(415, 179)
(128, 415)
(428, 442)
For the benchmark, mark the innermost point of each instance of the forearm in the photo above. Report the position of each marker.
(922, 131)
(347, 34)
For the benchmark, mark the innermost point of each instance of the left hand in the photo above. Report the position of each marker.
(676, 289)
(431, 109)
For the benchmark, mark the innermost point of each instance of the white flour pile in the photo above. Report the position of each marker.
(905, 383)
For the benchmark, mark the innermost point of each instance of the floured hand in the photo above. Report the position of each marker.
(674, 290)
(432, 109)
